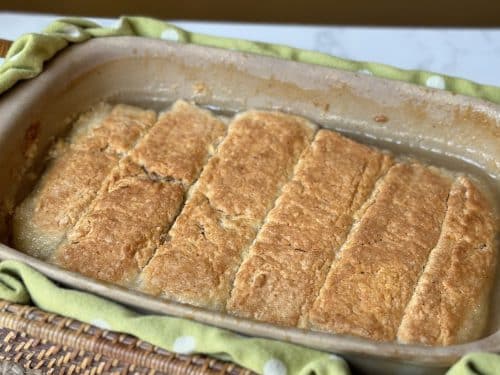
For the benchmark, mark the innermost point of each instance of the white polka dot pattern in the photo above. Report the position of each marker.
(184, 345)
(436, 82)
(335, 357)
(274, 367)
(365, 71)
(170, 34)
(100, 323)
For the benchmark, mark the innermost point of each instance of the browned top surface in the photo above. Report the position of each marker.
(74, 176)
(450, 301)
(115, 239)
(179, 143)
(288, 263)
(332, 238)
(204, 242)
(373, 278)
(118, 132)
(256, 158)
(68, 186)
(236, 189)
(138, 203)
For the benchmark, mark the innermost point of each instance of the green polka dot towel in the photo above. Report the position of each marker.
(21, 284)
(27, 55)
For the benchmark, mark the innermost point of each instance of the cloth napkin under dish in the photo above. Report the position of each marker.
(26, 56)
(21, 284)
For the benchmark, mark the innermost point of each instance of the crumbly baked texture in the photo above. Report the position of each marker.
(117, 133)
(118, 235)
(139, 201)
(374, 275)
(179, 143)
(74, 176)
(288, 262)
(266, 219)
(236, 189)
(450, 303)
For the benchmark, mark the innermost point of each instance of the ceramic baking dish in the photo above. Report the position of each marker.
(453, 131)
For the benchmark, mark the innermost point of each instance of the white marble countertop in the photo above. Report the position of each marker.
(469, 53)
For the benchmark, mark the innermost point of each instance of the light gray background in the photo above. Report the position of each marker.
(469, 53)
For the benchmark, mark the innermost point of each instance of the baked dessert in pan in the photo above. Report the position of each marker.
(77, 170)
(267, 217)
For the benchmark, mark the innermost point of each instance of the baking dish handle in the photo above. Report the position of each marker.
(4, 47)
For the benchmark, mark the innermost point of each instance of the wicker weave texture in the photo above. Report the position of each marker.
(4, 48)
(43, 343)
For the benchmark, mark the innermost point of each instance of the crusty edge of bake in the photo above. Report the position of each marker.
(103, 186)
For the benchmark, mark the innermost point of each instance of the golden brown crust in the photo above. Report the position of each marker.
(255, 161)
(450, 303)
(118, 132)
(353, 244)
(203, 242)
(289, 260)
(235, 190)
(178, 145)
(86, 122)
(115, 239)
(74, 177)
(376, 270)
(57, 202)
(118, 236)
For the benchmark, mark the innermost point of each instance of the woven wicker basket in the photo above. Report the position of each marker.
(4, 47)
(44, 343)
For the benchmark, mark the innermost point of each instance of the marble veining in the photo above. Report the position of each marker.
(469, 53)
